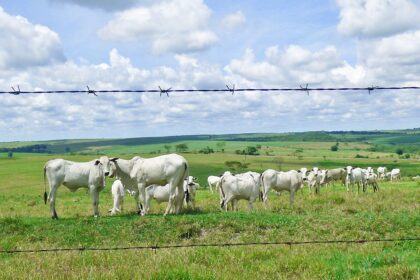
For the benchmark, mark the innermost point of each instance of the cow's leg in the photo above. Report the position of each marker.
(364, 186)
(179, 199)
(227, 200)
(266, 190)
(250, 205)
(95, 200)
(292, 198)
(142, 195)
(52, 196)
(139, 206)
(210, 187)
(172, 198)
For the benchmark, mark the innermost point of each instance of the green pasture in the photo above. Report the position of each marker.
(335, 214)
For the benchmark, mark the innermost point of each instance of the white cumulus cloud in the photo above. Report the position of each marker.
(234, 20)
(24, 44)
(376, 18)
(169, 26)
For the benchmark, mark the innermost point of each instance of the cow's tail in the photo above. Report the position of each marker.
(222, 204)
(186, 175)
(45, 185)
(261, 196)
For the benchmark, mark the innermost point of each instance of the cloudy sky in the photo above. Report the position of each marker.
(144, 44)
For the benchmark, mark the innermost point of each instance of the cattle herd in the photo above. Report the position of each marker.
(166, 178)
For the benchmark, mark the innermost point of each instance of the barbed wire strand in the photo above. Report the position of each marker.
(158, 247)
(229, 89)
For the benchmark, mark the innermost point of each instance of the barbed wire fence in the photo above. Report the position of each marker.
(180, 246)
(16, 90)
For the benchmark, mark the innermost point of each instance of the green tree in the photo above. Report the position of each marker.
(334, 148)
(399, 151)
(167, 148)
(221, 145)
(10, 154)
(250, 150)
(181, 148)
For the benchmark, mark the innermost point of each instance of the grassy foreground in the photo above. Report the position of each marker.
(335, 214)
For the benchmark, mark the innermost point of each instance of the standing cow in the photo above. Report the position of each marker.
(395, 174)
(290, 181)
(74, 175)
(169, 169)
(236, 187)
(213, 182)
(332, 175)
(355, 176)
(382, 170)
(121, 169)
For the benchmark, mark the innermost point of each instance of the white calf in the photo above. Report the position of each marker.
(117, 191)
(162, 194)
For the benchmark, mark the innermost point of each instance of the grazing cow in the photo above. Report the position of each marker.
(355, 176)
(332, 175)
(372, 180)
(213, 182)
(161, 194)
(382, 172)
(169, 169)
(117, 191)
(290, 181)
(74, 175)
(395, 174)
(236, 187)
(387, 175)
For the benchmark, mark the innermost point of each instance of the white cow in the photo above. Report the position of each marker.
(332, 175)
(314, 179)
(355, 176)
(213, 182)
(161, 194)
(117, 191)
(372, 180)
(236, 187)
(121, 169)
(169, 169)
(290, 181)
(395, 174)
(74, 175)
(382, 172)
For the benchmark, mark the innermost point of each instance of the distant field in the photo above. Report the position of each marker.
(334, 214)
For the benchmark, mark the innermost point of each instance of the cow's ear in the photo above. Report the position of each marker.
(113, 159)
(97, 162)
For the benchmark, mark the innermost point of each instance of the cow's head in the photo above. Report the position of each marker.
(304, 172)
(106, 163)
(349, 169)
(324, 174)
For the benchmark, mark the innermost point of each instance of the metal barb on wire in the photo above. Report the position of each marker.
(231, 89)
(91, 91)
(15, 92)
(370, 89)
(164, 91)
(305, 89)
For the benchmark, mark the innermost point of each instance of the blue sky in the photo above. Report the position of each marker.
(67, 44)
